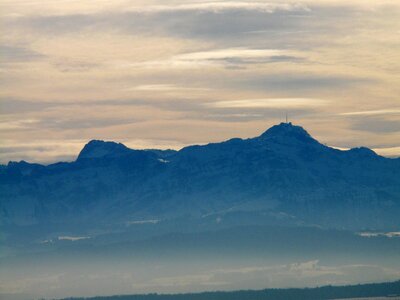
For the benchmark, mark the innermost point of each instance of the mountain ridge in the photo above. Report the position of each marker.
(282, 170)
(282, 130)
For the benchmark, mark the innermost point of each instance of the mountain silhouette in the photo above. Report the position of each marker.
(284, 175)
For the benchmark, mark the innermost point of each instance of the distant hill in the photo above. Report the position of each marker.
(390, 290)
(283, 176)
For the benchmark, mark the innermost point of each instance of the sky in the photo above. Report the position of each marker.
(166, 74)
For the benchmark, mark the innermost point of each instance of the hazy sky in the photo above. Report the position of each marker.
(165, 74)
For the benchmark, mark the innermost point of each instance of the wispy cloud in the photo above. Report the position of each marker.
(224, 57)
(219, 6)
(243, 54)
(164, 88)
(16, 8)
(270, 103)
(390, 111)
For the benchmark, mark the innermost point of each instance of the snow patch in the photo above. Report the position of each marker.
(139, 222)
(376, 234)
(72, 238)
(163, 160)
(50, 241)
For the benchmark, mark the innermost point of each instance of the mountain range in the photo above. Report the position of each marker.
(284, 176)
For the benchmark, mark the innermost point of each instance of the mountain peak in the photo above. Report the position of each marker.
(363, 151)
(288, 130)
(99, 148)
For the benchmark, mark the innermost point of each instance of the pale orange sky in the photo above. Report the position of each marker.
(165, 74)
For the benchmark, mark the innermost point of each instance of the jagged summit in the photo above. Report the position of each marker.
(99, 148)
(288, 130)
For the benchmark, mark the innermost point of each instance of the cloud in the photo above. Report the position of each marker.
(15, 106)
(270, 103)
(209, 19)
(215, 57)
(45, 7)
(292, 81)
(372, 112)
(74, 66)
(238, 55)
(223, 6)
(230, 53)
(388, 152)
(375, 124)
(152, 70)
(15, 54)
(151, 7)
(17, 124)
(376, 121)
(164, 88)
(57, 122)
(45, 151)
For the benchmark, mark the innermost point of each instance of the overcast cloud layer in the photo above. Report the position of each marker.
(165, 74)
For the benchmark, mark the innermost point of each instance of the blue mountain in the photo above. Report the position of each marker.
(283, 176)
